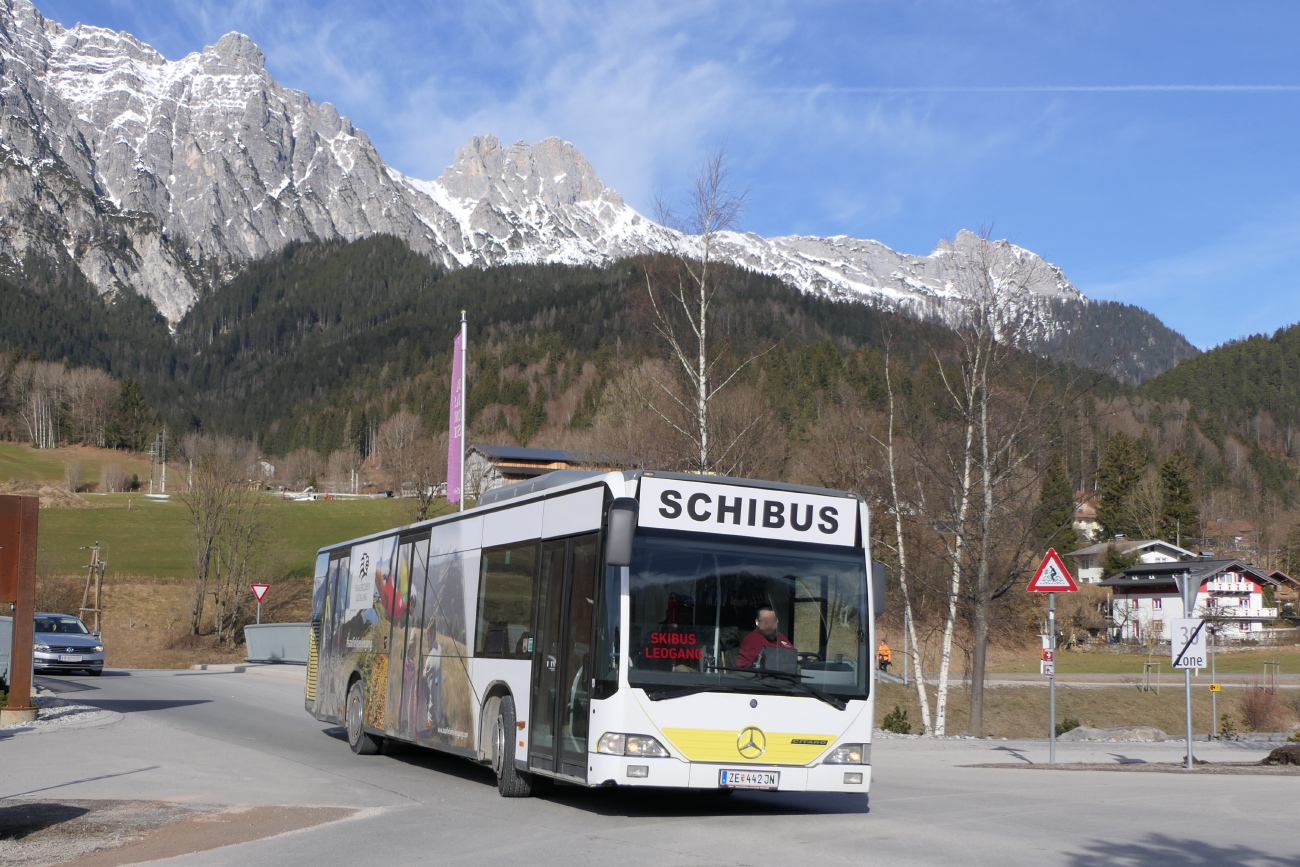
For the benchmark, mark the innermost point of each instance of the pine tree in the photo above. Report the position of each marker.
(1054, 517)
(1118, 475)
(1179, 517)
(129, 426)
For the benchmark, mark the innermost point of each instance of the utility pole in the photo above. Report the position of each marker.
(162, 438)
(95, 579)
(153, 461)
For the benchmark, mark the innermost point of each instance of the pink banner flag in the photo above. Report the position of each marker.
(455, 448)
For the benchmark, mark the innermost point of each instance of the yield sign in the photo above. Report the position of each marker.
(1052, 576)
(259, 590)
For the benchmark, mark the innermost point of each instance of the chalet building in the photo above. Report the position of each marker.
(1229, 535)
(1288, 589)
(1085, 518)
(1088, 562)
(1231, 595)
(488, 467)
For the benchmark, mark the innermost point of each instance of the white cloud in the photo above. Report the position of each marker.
(1247, 279)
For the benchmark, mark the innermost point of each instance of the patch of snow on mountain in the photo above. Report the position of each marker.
(215, 164)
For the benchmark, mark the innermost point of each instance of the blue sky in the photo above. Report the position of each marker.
(1150, 149)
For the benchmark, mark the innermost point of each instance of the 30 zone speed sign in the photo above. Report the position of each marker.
(1188, 644)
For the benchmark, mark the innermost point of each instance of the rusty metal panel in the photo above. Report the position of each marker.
(20, 514)
(9, 507)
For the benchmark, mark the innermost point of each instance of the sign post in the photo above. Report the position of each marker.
(1051, 578)
(1214, 692)
(1187, 644)
(259, 590)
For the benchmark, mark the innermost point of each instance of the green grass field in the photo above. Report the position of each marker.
(154, 539)
(21, 461)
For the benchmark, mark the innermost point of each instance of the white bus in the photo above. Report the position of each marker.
(625, 628)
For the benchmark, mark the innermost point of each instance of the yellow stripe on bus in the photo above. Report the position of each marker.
(313, 663)
(723, 745)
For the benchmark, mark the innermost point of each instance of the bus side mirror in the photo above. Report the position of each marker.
(877, 587)
(619, 531)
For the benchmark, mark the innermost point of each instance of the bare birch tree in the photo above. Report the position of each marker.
(900, 543)
(682, 302)
(1006, 407)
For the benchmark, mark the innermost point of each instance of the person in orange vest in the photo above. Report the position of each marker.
(883, 656)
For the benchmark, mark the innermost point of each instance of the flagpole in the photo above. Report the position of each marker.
(464, 358)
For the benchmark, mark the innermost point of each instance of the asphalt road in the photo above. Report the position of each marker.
(208, 737)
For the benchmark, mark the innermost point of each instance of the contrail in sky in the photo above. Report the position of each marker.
(1050, 88)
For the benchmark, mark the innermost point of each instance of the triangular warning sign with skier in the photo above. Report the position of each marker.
(1052, 576)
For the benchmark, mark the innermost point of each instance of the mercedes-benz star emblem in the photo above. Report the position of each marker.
(751, 742)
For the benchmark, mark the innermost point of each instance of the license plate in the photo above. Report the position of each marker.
(69, 657)
(749, 779)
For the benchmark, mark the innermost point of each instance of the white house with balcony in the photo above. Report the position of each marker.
(1145, 598)
(1088, 562)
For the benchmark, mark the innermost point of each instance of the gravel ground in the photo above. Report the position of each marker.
(36, 833)
(111, 833)
(54, 714)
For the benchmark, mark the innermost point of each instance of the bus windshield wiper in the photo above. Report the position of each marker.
(795, 679)
(693, 689)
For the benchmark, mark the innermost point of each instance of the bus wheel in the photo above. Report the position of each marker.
(510, 782)
(362, 744)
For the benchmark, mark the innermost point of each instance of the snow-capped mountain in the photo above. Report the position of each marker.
(164, 177)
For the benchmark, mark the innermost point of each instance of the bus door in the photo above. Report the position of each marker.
(562, 655)
(404, 646)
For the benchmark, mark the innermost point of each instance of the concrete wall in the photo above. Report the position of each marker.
(277, 642)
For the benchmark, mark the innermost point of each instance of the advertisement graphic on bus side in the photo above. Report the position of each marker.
(670, 504)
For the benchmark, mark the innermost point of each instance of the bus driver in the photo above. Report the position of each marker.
(764, 635)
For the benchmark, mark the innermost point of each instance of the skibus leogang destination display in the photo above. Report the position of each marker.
(612, 629)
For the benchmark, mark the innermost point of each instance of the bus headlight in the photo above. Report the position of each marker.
(615, 744)
(849, 754)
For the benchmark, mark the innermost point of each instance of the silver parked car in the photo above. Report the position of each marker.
(63, 643)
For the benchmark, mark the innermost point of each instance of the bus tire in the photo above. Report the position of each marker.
(511, 783)
(362, 744)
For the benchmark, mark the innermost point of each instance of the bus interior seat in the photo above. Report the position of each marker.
(496, 640)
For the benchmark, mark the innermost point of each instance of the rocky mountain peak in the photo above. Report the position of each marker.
(166, 177)
(238, 50)
(551, 172)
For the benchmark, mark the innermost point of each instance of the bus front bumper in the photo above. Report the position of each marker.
(679, 774)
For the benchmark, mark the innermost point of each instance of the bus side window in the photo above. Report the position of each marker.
(507, 576)
(320, 587)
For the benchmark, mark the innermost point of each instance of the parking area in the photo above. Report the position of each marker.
(224, 740)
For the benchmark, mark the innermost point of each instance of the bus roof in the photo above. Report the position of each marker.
(558, 480)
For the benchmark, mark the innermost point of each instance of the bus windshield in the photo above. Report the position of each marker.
(695, 601)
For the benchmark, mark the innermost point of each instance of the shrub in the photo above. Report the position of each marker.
(1260, 708)
(60, 594)
(112, 479)
(896, 721)
(1227, 728)
(1068, 724)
